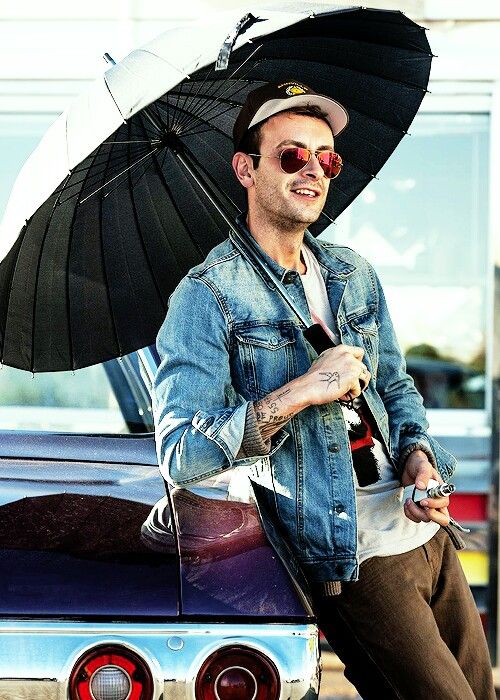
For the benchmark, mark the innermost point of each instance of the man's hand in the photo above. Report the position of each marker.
(337, 373)
(418, 470)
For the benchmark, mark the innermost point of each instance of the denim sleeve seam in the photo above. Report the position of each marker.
(218, 297)
(373, 283)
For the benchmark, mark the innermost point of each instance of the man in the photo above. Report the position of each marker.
(238, 382)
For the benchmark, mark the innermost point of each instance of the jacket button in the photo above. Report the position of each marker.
(334, 447)
(288, 278)
(339, 508)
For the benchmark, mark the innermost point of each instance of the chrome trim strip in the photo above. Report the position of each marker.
(38, 657)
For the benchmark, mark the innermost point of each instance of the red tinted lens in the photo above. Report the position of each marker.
(331, 163)
(293, 159)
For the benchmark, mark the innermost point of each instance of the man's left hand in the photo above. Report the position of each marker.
(418, 470)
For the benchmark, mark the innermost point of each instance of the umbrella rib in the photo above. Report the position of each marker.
(95, 169)
(327, 216)
(70, 238)
(134, 165)
(37, 274)
(190, 130)
(11, 281)
(114, 143)
(209, 112)
(202, 118)
(201, 112)
(163, 180)
(211, 127)
(68, 300)
(110, 192)
(196, 98)
(217, 95)
(104, 271)
(189, 96)
(141, 238)
(178, 211)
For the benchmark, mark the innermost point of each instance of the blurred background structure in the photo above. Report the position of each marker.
(430, 224)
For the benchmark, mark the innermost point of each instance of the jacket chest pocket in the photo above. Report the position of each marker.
(363, 330)
(267, 356)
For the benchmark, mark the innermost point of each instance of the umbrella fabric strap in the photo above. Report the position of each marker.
(225, 51)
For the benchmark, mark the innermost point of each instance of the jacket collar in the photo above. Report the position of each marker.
(325, 253)
(327, 256)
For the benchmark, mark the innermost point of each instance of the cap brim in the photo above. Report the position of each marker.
(336, 114)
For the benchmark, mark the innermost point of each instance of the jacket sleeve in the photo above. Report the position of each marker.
(199, 418)
(408, 424)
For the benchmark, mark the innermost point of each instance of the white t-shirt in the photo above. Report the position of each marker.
(383, 528)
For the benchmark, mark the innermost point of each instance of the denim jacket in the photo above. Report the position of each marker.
(229, 339)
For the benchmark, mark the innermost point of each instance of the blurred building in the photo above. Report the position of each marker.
(430, 223)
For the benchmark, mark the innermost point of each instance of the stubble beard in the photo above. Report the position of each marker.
(289, 219)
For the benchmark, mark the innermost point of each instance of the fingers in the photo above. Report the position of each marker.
(355, 350)
(443, 502)
(364, 378)
(417, 514)
(359, 384)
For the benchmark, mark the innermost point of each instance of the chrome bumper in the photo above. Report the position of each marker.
(36, 658)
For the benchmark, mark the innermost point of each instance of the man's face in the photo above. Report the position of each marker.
(290, 201)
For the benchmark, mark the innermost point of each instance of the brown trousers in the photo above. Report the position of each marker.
(409, 628)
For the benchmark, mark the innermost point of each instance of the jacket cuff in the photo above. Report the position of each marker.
(424, 446)
(326, 589)
(252, 444)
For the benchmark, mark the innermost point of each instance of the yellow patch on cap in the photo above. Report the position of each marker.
(294, 89)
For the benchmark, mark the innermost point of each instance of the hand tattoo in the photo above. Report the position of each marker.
(331, 378)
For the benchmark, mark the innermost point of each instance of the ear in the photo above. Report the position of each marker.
(243, 168)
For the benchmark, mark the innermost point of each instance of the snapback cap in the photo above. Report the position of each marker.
(272, 98)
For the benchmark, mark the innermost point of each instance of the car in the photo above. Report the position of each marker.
(116, 586)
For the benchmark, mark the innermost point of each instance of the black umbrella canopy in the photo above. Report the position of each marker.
(89, 275)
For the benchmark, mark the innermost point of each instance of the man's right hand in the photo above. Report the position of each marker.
(338, 373)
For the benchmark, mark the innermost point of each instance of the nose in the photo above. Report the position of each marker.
(312, 169)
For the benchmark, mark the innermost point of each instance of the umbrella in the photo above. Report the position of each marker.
(133, 184)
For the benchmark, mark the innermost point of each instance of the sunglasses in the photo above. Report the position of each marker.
(295, 158)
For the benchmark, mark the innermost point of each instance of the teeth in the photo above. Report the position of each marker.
(309, 193)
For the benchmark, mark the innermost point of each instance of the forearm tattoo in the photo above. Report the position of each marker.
(270, 416)
(330, 378)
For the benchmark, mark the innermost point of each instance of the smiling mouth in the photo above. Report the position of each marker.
(306, 192)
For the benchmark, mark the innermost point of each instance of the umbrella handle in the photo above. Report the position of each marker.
(318, 338)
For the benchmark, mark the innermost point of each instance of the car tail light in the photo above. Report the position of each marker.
(110, 673)
(237, 673)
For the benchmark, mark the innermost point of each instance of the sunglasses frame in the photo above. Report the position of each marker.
(311, 153)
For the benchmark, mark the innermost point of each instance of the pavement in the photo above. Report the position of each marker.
(334, 686)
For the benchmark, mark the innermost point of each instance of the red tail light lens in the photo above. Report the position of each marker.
(110, 673)
(237, 673)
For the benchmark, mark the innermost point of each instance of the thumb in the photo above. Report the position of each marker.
(424, 473)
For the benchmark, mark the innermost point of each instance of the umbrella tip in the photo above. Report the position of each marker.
(109, 59)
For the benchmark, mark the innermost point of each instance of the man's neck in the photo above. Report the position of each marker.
(281, 245)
